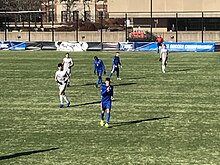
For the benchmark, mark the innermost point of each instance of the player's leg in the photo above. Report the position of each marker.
(69, 73)
(65, 97)
(98, 80)
(102, 114)
(61, 89)
(163, 64)
(107, 117)
(100, 77)
(166, 61)
(117, 73)
(112, 71)
(158, 47)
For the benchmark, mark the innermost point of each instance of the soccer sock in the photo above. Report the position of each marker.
(107, 117)
(101, 115)
(66, 99)
(61, 99)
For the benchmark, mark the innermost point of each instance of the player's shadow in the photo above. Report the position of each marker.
(124, 84)
(87, 84)
(25, 153)
(135, 78)
(185, 70)
(89, 103)
(136, 121)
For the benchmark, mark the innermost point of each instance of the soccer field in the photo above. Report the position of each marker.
(156, 118)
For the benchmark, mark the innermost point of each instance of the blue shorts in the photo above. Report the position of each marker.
(106, 105)
(99, 72)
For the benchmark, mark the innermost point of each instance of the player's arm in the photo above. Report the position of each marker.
(95, 67)
(71, 63)
(67, 76)
(119, 62)
(57, 80)
(103, 91)
(103, 67)
(111, 92)
(160, 56)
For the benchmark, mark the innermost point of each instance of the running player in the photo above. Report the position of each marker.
(67, 65)
(164, 57)
(115, 66)
(61, 77)
(99, 68)
(106, 92)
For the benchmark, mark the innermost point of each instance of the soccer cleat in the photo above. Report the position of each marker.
(68, 105)
(61, 105)
(102, 122)
(68, 85)
(118, 78)
(106, 125)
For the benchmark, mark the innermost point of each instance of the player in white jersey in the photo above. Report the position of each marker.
(61, 77)
(67, 64)
(164, 57)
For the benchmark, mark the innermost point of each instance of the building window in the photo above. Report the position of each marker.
(75, 15)
(101, 14)
(63, 16)
(87, 16)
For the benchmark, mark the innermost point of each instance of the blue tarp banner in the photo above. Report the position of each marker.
(190, 46)
(12, 45)
(171, 46)
(145, 46)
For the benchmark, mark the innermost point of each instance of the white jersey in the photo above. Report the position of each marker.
(61, 76)
(164, 53)
(67, 62)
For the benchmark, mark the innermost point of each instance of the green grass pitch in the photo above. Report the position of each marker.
(156, 119)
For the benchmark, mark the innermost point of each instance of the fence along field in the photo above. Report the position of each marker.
(170, 118)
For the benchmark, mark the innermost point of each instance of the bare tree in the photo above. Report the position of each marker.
(19, 5)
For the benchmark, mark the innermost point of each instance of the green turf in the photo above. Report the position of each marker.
(156, 119)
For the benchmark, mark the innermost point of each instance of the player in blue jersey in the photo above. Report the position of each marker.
(106, 91)
(99, 68)
(115, 66)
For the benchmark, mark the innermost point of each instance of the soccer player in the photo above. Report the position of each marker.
(115, 66)
(99, 68)
(106, 92)
(61, 77)
(67, 64)
(164, 57)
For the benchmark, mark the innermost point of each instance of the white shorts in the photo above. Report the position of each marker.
(62, 87)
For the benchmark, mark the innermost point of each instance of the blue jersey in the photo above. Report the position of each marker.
(116, 61)
(99, 65)
(106, 95)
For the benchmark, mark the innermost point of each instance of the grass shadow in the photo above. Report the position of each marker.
(136, 121)
(89, 103)
(25, 153)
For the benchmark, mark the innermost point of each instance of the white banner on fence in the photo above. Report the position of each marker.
(71, 46)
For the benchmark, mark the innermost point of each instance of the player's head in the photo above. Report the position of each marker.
(67, 55)
(96, 58)
(60, 66)
(117, 53)
(164, 46)
(107, 81)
